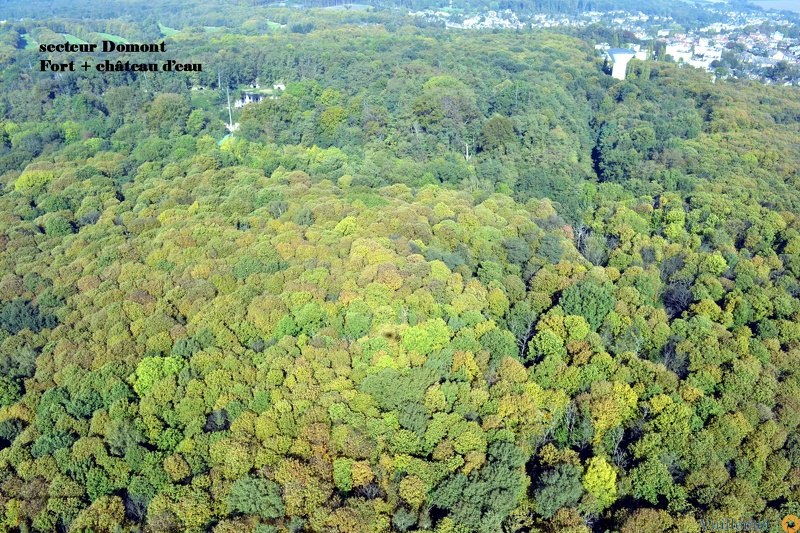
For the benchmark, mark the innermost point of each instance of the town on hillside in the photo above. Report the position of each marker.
(755, 44)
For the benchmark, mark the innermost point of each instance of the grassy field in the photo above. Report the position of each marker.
(166, 30)
(111, 37)
(354, 7)
(30, 42)
(207, 100)
(72, 39)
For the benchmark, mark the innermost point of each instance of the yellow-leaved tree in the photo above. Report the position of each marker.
(600, 480)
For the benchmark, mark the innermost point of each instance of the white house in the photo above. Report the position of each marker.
(777, 56)
(248, 98)
(679, 52)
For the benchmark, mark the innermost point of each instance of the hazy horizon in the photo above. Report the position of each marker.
(788, 5)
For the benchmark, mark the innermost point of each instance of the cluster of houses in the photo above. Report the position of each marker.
(699, 55)
(255, 96)
(508, 19)
(701, 48)
(760, 50)
(750, 38)
(757, 52)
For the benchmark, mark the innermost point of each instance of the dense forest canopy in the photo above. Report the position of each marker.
(443, 281)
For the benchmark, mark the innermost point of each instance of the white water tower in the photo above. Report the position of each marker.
(620, 57)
